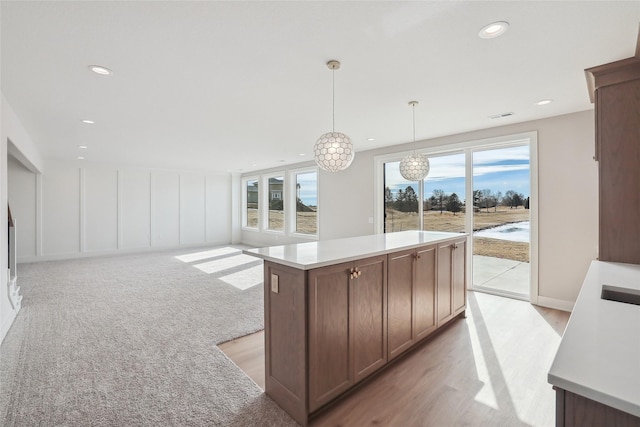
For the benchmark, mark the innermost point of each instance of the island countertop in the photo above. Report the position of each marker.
(306, 256)
(599, 355)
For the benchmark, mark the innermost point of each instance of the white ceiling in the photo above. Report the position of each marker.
(240, 86)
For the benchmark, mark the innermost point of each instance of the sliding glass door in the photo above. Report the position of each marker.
(483, 189)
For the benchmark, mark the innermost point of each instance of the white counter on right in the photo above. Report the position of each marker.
(599, 355)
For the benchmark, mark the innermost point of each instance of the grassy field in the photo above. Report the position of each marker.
(446, 221)
(433, 221)
(306, 222)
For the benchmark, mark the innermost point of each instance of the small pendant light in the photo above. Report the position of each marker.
(415, 166)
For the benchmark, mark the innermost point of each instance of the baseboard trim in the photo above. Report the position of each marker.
(7, 323)
(92, 254)
(557, 304)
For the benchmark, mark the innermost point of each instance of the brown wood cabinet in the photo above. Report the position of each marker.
(573, 410)
(347, 326)
(328, 328)
(452, 295)
(411, 298)
(615, 89)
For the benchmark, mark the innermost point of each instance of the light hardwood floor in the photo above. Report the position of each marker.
(489, 369)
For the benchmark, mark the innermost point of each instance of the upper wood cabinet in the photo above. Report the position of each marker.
(615, 89)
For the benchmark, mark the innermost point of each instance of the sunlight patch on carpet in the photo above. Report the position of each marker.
(244, 279)
(225, 263)
(198, 256)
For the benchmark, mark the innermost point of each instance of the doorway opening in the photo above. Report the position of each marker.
(501, 231)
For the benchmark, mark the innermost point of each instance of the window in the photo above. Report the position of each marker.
(275, 217)
(306, 219)
(282, 203)
(252, 203)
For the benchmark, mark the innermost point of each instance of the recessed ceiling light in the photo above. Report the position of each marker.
(80, 158)
(301, 154)
(544, 102)
(99, 69)
(88, 122)
(494, 29)
(82, 147)
(371, 139)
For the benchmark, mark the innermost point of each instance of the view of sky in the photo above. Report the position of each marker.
(308, 191)
(497, 169)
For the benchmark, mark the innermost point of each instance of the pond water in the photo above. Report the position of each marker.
(516, 232)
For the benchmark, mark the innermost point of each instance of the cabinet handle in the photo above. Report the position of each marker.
(359, 273)
(416, 256)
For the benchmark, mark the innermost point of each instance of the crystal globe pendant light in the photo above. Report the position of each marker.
(415, 166)
(333, 151)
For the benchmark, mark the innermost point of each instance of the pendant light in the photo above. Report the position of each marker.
(333, 151)
(415, 166)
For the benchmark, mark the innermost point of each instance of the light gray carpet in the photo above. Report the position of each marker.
(130, 341)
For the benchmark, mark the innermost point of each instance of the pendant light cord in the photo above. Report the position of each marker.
(333, 97)
(414, 122)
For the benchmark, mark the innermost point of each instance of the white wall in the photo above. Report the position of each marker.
(61, 202)
(166, 209)
(193, 229)
(92, 209)
(568, 199)
(135, 211)
(100, 209)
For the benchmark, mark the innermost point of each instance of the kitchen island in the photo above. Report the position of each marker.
(596, 371)
(337, 311)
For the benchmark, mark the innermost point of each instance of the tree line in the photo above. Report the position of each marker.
(407, 200)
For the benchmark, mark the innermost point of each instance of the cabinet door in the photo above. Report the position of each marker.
(368, 294)
(400, 302)
(618, 130)
(330, 369)
(445, 258)
(424, 293)
(459, 278)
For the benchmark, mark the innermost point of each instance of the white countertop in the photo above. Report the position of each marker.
(599, 355)
(306, 256)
